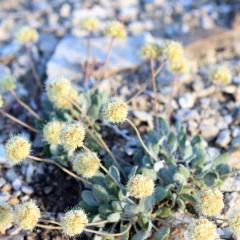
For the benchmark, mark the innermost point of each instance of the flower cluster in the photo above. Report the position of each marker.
(151, 51)
(7, 82)
(27, 215)
(90, 24)
(1, 101)
(61, 93)
(116, 111)
(202, 229)
(17, 149)
(73, 222)
(27, 34)
(52, 132)
(116, 30)
(210, 202)
(221, 75)
(140, 186)
(86, 164)
(6, 216)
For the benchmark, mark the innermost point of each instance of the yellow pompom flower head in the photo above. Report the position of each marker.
(52, 132)
(7, 82)
(73, 222)
(1, 101)
(27, 215)
(90, 24)
(6, 216)
(86, 164)
(140, 186)
(116, 30)
(202, 229)
(234, 223)
(210, 202)
(72, 136)
(27, 34)
(178, 65)
(151, 51)
(173, 50)
(61, 92)
(17, 149)
(115, 111)
(221, 75)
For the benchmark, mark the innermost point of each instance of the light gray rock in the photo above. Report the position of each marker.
(232, 184)
(27, 189)
(72, 51)
(187, 100)
(11, 174)
(2, 181)
(4, 196)
(224, 138)
(17, 184)
(2, 154)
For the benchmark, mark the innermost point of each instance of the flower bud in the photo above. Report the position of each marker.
(90, 24)
(221, 75)
(173, 50)
(7, 82)
(1, 101)
(151, 51)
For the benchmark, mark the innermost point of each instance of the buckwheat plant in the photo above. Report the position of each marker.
(137, 197)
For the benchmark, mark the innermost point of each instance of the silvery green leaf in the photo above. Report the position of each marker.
(223, 169)
(105, 209)
(164, 127)
(184, 171)
(89, 198)
(100, 193)
(210, 179)
(117, 206)
(150, 173)
(140, 236)
(166, 174)
(162, 233)
(179, 178)
(160, 193)
(223, 158)
(115, 173)
(164, 212)
(133, 171)
(114, 217)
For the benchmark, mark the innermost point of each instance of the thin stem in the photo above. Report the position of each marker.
(173, 93)
(97, 223)
(23, 104)
(50, 221)
(154, 85)
(61, 167)
(109, 234)
(159, 69)
(48, 227)
(34, 72)
(140, 139)
(18, 121)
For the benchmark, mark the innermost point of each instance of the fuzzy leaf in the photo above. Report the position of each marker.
(223, 158)
(114, 217)
(100, 194)
(160, 193)
(89, 198)
(210, 179)
(115, 173)
(164, 212)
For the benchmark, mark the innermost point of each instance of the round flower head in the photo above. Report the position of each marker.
(1, 101)
(116, 111)
(27, 34)
(221, 75)
(140, 186)
(61, 92)
(72, 136)
(52, 132)
(17, 149)
(178, 65)
(6, 216)
(234, 223)
(73, 222)
(210, 202)
(86, 164)
(7, 82)
(202, 229)
(173, 50)
(27, 215)
(90, 24)
(116, 29)
(151, 51)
